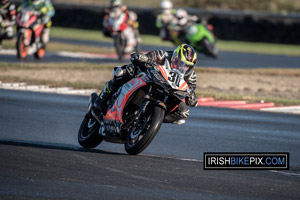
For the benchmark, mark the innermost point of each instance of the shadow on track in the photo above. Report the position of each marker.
(57, 146)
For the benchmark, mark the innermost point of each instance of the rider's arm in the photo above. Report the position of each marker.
(159, 22)
(132, 19)
(48, 9)
(23, 5)
(152, 57)
(12, 12)
(191, 99)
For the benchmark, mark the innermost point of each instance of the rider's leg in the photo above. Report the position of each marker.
(9, 32)
(46, 32)
(131, 39)
(122, 74)
(178, 115)
(46, 35)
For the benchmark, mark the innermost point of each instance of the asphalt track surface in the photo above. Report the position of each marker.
(226, 59)
(40, 157)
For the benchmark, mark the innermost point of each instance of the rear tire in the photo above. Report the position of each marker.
(210, 49)
(152, 126)
(88, 134)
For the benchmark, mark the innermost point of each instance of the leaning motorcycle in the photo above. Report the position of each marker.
(202, 39)
(136, 111)
(199, 36)
(117, 28)
(29, 31)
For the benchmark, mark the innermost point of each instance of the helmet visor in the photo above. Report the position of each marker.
(180, 65)
(181, 62)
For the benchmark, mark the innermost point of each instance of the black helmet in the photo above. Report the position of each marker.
(184, 59)
(3, 2)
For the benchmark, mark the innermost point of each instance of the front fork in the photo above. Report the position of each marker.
(147, 99)
(91, 111)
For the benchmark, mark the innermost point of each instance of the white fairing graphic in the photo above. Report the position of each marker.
(174, 77)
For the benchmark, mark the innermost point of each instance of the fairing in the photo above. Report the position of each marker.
(116, 111)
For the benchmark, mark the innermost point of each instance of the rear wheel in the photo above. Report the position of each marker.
(88, 134)
(22, 49)
(144, 130)
(210, 49)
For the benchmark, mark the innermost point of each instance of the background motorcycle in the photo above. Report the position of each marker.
(3, 25)
(117, 26)
(29, 31)
(199, 36)
(136, 111)
(202, 39)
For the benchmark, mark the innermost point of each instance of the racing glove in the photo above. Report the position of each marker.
(139, 59)
(191, 99)
(149, 59)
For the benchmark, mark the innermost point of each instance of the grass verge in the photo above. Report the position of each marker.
(249, 99)
(83, 75)
(56, 46)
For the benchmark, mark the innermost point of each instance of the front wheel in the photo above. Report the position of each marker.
(22, 49)
(88, 134)
(144, 130)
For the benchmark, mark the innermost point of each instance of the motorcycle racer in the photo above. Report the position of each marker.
(118, 10)
(7, 20)
(184, 55)
(46, 10)
(181, 21)
(163, 20)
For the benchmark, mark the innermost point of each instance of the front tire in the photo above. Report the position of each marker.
(120, 44)
(138, 139)
(22, 49)
(88, 134)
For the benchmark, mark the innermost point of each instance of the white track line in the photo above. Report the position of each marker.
(285, 109)
(286, 173)
(44, 88)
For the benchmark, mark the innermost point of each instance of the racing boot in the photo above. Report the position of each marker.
(101, 103)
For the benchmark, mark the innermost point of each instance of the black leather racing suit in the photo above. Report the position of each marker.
(123, 74)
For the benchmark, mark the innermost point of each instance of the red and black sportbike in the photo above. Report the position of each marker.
(29, 31)
(118, 29)
(137, 110)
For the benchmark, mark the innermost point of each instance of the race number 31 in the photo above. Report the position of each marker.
(174, 78)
